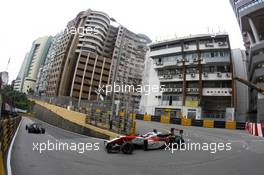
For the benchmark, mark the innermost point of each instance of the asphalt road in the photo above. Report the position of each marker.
(246, 156)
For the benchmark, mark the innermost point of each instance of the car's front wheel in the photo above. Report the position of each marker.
(127, 148)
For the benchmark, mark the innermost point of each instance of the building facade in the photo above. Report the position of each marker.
(242, 94)
(35, 60)
(83, 63)
(127, 67)
(21, 74)
(45, 69)
(195, 78)
(250, 16)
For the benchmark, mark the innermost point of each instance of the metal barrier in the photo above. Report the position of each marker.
(7, 131)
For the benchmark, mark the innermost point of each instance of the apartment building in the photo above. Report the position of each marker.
(195, 78)
(83, 63)
(128, 66)
(250, 16)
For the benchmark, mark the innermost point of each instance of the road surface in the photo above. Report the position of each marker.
(246, 156)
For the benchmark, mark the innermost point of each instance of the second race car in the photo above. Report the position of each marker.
(35, 128)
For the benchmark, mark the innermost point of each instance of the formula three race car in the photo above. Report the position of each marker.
(150, 141)
(35, 128)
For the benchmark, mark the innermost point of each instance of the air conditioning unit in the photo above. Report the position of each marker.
(195, 59)
(205, 74)
(159, 63)
(186, 46)
(221, 44)
(209, 45)
(228, 75)
(191, 61)
(180, 75)
(192, 75)
(169, 77)
(180, 89)
(219, 74)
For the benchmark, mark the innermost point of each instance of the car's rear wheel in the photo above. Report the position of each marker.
(26, 127)
(127, 148)
(43, 131)
(145, 146)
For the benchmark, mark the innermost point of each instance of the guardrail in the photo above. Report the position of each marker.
(207, 123)
(8, 128)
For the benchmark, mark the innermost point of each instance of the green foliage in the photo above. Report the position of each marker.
(16, 99)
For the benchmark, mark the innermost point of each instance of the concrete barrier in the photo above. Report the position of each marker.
(230, 125)
(186, 122)
(69, 120)
(208, 123)
(2, 169)
(147, 117)
(8, 128)
(165, 119)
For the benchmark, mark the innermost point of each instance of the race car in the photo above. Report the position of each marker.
(150, 141)
(35, 128)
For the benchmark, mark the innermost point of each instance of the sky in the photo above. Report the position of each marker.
(23, 21)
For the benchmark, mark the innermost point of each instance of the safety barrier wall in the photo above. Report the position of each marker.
(78, 125)
(8, 128)
(98, 115)
(207, 123)
(256, 129)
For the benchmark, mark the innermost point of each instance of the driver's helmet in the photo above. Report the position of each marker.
(155, 131)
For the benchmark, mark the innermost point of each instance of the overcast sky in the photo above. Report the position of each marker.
(22, 21)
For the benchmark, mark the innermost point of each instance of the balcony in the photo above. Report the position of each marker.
(175, 90)
(214, 45)
(192, 90)
(169, 78)
(191, 47)
(165, 51)
(217, 91)
(217, 60)
(165, 103)
(217, 76)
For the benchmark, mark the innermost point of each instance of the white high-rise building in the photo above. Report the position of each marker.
(36, 58)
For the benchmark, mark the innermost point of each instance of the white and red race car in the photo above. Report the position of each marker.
(150, 141)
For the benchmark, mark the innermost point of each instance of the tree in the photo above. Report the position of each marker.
(16, 99)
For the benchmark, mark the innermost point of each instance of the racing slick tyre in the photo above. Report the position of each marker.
(43, 131)
(127, 148)
(109, 148)
(145, 146)
(180, 143)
